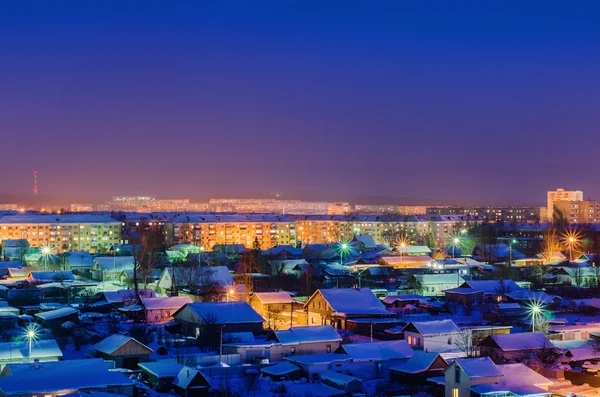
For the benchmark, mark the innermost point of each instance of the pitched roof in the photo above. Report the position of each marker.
(518, 379)
(492, 286)
(52, 275)
(520, 342)
(366, 239)
(44, 348)
(353, 301)
(420, 361)
(166, 302)
(58, 313)
(114, 264)
(200, 276)
(478, 367)
(50, 377)
(378, 351)
(223, 312)
(436, 327)
(306, 334)
(185, 377)
(281, 368)
(115, 341)
(162, 369)
(274, 297)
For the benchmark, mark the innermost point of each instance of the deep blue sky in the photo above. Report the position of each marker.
(474, 102)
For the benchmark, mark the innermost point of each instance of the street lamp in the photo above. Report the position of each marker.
(535, 311)
(456, 243)
(31, 335)
(572, 240)
(402, 248)
(513, 241)
(344, 247)
(230, 293)
(45, 252)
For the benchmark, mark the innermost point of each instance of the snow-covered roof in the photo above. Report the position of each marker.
(48, 377)
(79, 259)
(390, 299)
(353, 301)
(478, 367)
(49, 276)
(306, 334)
(492, 286)
(114, 264)
(405, 260)
(112, 343)
(166, 302)
(321, 358)
(419, 362)
(273, 297)
(56, 219)
(127, 295)
(224, 312)
(441, 278)
(338, 378)
(280, 369)
(521, 341)
(366, 239)
(58, 313)
(413, 249)
(16, 243)
(185, 377)
(45, 348)
(162, 369)
(196, 276)
(533, 296)
(278, 249)
(583, 353)
(518, 379)
(463, 291)
(437, 327)
(378, 351)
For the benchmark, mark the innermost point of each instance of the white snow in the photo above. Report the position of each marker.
(307, 334)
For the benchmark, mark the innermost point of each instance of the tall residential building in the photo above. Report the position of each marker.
(68, 232)
(8, 207)
(492, 214)
(584, 211)
(562, 195)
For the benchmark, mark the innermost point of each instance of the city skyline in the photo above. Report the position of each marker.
(423, 103)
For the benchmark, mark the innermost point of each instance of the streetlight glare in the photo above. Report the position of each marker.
(46, 250)
(30, 334)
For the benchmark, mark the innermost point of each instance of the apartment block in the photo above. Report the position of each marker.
(62, 233)
(562, 195)
(584, 211)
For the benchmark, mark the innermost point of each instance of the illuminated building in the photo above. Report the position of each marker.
(562, 195)
(276, 206)
(207, 230)
(69, 232)
(492, 213)
(9, 207)
(584, 211)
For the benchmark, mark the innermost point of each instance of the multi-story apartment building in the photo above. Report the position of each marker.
(207, 230)
(8, 207)
(69, 232)
(492, 214)
(562, 195)
(77, 207)
(276, 206)
(584, 211)
(326, 229)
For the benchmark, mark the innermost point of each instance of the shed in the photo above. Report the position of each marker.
(125, 351)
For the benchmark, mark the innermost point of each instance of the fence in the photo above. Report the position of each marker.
(195, 360)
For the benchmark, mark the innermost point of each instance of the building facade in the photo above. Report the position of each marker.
(562, 195)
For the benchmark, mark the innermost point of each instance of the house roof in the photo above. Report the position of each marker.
(306, 334)
(48, 377)
(165, 302)
(442, 278)
(162, 369)
(124, 295)
(44, 348)
(51, 275)
(413, 249)
(114, 264)
(115, 341)
(437, 327)
(224, 312)
(401, 298)
(55, 314)
(378, 351)
(492, 286)
(404, 260)
(534, 296)
(478, 367)
(79, 259)
(517, 378)
(420, 361)
(353, 301)
(278, 249)
(520, 341)
(185, 377)
(321, 358)
(273, 297)
(280, 369)
(366, 239)
(200, 276)
(339, 378)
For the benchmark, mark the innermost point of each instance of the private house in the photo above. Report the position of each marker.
(377, 275)
(52, 379)
(5, 265)
(376, 358)
(282, 371)
(42, 277)
(191, 382)
(55, 318)
(577, 356)
(161, 309)
(313, 365)
(160, 374)
(401, 301)
(124, 351)
(505, 312)
(436, 284)
(363, 243)
(17, 273)
(495, 253)
(281, 344)
(432, 336)
(14, 250)
(292, 267)
(520, 346)
(493, 290)
(78, 262)
(319, 252)
(346, 383)
(336, 306)
(464, 296)
(197, 318)
(277, 308)
(413, 250)
(418, 368)
(282, 253)
(110, 268)
(43, 350)
(122, 297)
(405, 261)
(480, 377)
(195, 277)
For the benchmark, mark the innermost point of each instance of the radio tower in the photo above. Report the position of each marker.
(35, 188)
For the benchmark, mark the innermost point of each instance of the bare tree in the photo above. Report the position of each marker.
(465, 343)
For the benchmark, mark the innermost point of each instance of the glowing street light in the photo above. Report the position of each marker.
(535, 310)
(229, 295)
(455, 244)
(513, 241)
(31, 335)
(46, 251)
(572, 241)
(344, 248)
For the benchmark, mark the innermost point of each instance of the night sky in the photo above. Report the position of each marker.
(485, 102)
